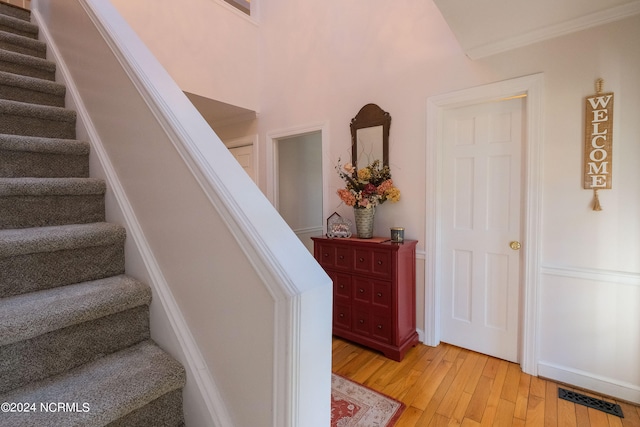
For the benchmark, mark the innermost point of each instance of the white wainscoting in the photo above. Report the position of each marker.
(590, 329)
(305, 234)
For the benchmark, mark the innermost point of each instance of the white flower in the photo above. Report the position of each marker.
(348, 168)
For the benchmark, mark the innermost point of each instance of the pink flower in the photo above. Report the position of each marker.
(385, 186)
(346, 196)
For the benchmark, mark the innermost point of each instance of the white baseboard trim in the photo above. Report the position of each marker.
(193, 360)
(589, 381)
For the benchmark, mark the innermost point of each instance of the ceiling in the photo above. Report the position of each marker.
(218, 113)
(487, 27)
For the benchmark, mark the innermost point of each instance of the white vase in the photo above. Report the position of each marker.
(364, 222)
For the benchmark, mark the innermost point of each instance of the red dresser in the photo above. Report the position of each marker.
(374, 291)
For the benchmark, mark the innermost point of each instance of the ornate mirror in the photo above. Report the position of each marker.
(370, 136)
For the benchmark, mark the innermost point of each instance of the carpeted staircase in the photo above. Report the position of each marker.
(75, 348)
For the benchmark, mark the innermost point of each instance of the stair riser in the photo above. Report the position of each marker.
(35, 126)
(15, 164)
(36, 51)
(14, 93)
(16, 12)
(28, 273)
(25, 70)
(165, 411)
(42, 211)
(72, 347)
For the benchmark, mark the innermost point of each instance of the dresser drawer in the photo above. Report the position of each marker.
(376, 326)
(341, 316)
(341, 286)
(361, 321)
(371, 291)
(362, 290)
(333, 256)
(381, 294)
(381, 328)
(373, 262)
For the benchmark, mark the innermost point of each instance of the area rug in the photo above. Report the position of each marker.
(355, 405)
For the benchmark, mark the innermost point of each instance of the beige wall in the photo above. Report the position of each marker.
(204, 44)
(322, 61)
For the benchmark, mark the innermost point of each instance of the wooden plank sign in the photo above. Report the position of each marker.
(598, 140)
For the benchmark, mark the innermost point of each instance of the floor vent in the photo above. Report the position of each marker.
(591, 402)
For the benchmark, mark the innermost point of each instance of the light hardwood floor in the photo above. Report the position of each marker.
(451, 386)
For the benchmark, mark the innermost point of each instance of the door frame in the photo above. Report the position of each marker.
(532, 87)
(273, 137)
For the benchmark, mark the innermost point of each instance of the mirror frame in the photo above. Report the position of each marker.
(370, 116)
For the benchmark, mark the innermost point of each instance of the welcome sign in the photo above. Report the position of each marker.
(598, 140)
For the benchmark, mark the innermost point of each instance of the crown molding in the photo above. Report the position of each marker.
(556, 30)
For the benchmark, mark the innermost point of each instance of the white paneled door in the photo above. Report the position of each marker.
(244, 156)
(481, 230)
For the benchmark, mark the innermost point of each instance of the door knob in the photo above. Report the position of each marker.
(515, 245)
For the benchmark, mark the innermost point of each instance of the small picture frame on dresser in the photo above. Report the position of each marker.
(338, 227)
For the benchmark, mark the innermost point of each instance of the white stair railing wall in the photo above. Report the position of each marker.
(236, 296)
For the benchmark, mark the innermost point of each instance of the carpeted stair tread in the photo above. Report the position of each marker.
(45, 112)
(33, 156)
(40, 202)
(15, 11)
(67, 348)
(112, 387)
(38, 144)
(22, 118)
(25, 241)
(37, 258)
(33, 90)
(50, 186)
(25, 316)
(18, 26)
(27, 65)
(21, 44)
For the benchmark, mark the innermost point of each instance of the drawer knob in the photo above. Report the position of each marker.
(361, 259)
(326, 255)
(379, 262)
(379, 294)
(341, 286)
(379, 326)
(341, 314)
(361, 321)
(361, 290)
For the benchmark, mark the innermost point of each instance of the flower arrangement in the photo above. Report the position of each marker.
(367, 187)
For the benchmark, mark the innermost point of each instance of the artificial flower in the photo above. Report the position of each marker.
(367, 187)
